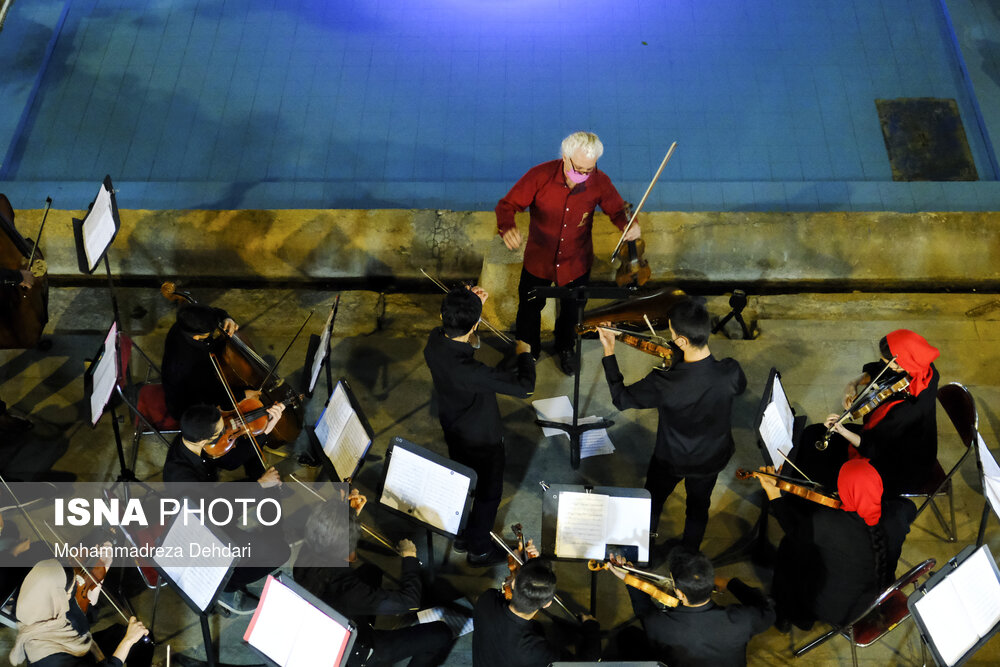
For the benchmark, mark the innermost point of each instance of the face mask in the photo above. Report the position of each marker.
(576, 176)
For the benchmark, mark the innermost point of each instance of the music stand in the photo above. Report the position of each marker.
(198, 586)
(428, 489)
(99, 382)
(579, 295)
(293, 628)
(318, 353)
(613, 663)
(342, 436)
(989, 477)
(623, 504)
(957, 610)
(777, 428)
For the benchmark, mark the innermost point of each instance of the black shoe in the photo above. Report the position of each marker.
(459, 546)
(493, 556)
(11, 424)
(567, 361)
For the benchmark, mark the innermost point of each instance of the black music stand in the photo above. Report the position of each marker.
(317, 448)
(580, 295)
(989, 477)
(318, 353)
(100, 395)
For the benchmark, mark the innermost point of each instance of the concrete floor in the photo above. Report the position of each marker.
(816, 341)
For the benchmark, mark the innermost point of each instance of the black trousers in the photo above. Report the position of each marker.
(426, 644)
(528, 324)
(488, 463)
(661, 479)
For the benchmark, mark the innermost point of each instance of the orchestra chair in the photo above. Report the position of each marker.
(961, 409)
(145, 398)
(883, 615)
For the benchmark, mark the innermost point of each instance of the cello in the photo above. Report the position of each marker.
(23, 311)
(243, 369)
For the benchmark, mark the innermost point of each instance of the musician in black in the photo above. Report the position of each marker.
(899, 436)
(358, 594)
(832, 563)
(506, 634)
(697, 632)
(188, 375)
(470, 417)
(694, 399)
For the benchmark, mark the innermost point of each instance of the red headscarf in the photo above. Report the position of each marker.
(914, 354)
(860, 489)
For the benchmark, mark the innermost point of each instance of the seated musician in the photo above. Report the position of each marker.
(694, 398)
(697, 631)
(506, 634)
(470, 417)
(52, 631)
(899, 436)
(357, 592)
(832, 563)
(187, 463)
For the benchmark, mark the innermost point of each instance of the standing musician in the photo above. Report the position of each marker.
(52, 631)
(694, 439)
(14, 278)
(470, 417)
(899, 436)
(697, 632)
(561, 196)
(833, 562)
(357, 593)
(186, 463)
(506, 634)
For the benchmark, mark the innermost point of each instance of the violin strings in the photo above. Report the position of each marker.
(232, 399)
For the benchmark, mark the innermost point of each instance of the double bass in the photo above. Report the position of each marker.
(243, 368)
(23, 312)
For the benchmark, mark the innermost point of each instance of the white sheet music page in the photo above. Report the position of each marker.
(777, 425)
(198, 582)
(98, 227)
(580, 525)
(341, 434)
(628, 523)
(991, 475)
(293, 632)
(426, 490)
(105, 376)
(595, 442)
(557, 409)
(321, 349)
(977, 583)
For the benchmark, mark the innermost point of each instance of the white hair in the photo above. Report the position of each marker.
(582, 141)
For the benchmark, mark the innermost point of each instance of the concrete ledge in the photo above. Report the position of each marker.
(913, 251)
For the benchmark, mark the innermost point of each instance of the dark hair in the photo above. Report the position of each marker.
(883, 348)
(689, 318)
(534, 586)
(198, 422)
(460, 311)
(195, 320)
(693, 573)
(880, 552)
(326, 528)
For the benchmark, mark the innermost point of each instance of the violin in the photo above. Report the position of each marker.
(87, 583)
(871, 397)
(795, 489)
(633, 312)
(249, 411)
(651, 589)
(23, 312)
(514, 561)
(658, 347)
(243, 368)
(633, 269)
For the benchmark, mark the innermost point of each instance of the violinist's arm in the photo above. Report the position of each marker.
(833, 421)
(769, 484)
(607, 340)
(757, 607)
(851, 390)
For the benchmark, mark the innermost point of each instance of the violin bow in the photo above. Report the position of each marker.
(232, 399)
(519, 561)
(635, 211)
(34, 245)
(496, 332)
(371, 533)
(292, 342)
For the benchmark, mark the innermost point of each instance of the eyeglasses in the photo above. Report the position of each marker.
(578, 170)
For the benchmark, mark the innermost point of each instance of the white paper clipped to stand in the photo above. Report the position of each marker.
(341, 434)
(321, 350)
(991, 476)
(198, 582)
(963, 607)
(426, 490)
(587, 522)
(98, 227)
(293, 632)
(105, 376)
(777, 424)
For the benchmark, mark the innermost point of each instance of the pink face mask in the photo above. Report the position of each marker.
(576, 176)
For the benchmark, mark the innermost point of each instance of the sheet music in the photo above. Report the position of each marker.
(198, 582)
(341, 434)
(628, 523)
(426, 490)
(580, 525)
(554, 409)
(595, 442)
(293, 632)
(98, 227)
(105, 376)
(321, 350)
(777, 425)
(459, 622)
(991, 475)
(963, 607)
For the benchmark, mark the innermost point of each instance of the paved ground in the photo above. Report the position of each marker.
(817, 341)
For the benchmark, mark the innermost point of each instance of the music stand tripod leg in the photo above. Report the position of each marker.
(982, 524)
(206, 637)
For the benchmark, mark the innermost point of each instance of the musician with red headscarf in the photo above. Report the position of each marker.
(832, 563)
(899, 437)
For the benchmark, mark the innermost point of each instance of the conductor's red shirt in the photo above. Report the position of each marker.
(559, 246)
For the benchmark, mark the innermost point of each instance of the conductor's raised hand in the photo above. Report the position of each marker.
(512, 238)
